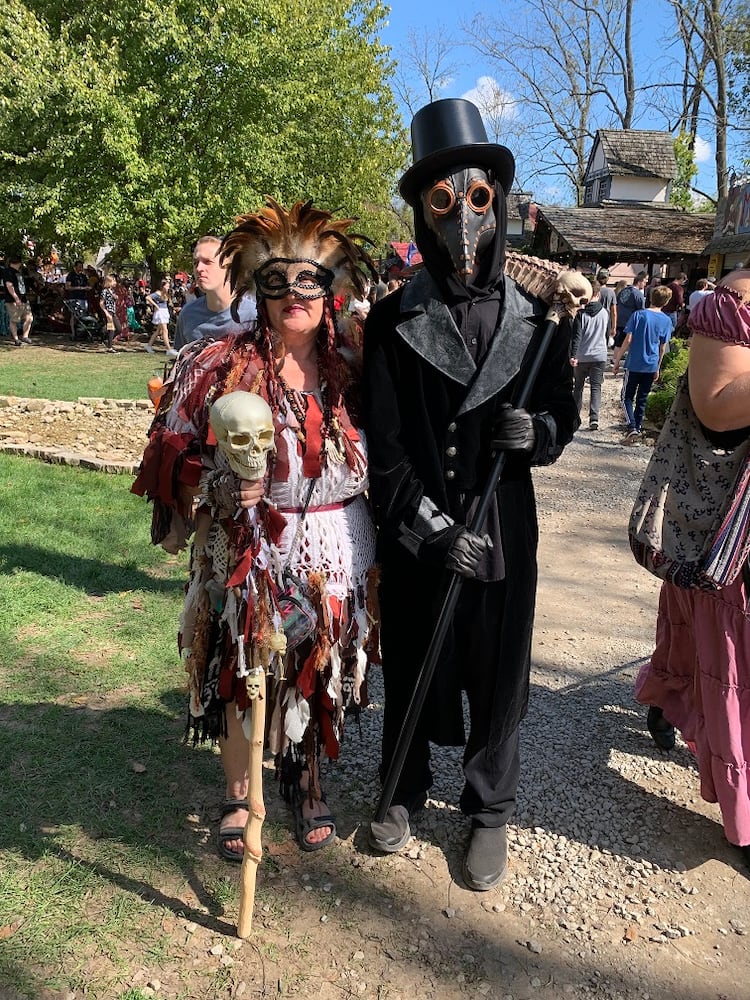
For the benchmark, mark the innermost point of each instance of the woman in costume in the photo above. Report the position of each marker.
(309, 514)
(161, 301)
(698, 678)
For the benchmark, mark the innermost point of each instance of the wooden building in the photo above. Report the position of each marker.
(729, 246)
(626, 217)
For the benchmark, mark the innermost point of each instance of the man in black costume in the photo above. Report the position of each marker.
(443, 358)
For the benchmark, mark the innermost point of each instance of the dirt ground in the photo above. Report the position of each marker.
(620, 884)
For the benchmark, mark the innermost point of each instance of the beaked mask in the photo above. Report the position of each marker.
(459, 209)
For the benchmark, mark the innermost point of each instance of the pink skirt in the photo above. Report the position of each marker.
(699, 675)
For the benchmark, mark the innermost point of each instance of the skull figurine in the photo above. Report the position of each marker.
(252, 683)
(243, 425)
(573, 291)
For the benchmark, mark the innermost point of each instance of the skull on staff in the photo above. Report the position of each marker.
(243, 425)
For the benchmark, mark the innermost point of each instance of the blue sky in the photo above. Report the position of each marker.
(648, 50)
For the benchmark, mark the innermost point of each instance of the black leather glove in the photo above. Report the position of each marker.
(513, 430)
(456, 548)
(467, 552)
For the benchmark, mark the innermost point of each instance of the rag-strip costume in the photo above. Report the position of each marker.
(699, 672)
(230, 623)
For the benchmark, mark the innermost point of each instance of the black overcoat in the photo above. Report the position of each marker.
(428, 413)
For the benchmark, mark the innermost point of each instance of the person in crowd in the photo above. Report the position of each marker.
(609, 303)
(210, 315)
(140, 306)
(702, 288)
(160, 301)
(77, 293)
(123, 301)
(652, 284)
(108, 309)
(647, 334)
(629, 301)
(699, 672)
(588, 353)
(310, 511)
(379, 290)
(676, 304)
(17, 303)
(443, 360)
(4, 320)
(359, 307)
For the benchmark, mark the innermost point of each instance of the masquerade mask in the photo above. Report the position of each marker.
(281, 276)
(459, 209)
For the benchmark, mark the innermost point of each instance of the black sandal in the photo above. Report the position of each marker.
(231, 832)
(303, 825)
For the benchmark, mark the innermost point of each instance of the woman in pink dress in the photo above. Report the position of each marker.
(699, 673)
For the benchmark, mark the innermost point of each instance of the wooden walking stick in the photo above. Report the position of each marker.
(257, 811)
(243, 425)
(567, 291)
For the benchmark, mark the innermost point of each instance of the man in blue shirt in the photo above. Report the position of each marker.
(630, 299)
(209, 315)
(647, 333)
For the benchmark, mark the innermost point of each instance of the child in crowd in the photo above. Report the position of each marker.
(647, 334)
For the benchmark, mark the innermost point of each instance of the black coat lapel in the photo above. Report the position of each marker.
(427, 327)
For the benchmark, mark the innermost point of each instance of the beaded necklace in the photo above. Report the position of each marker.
(293, 397)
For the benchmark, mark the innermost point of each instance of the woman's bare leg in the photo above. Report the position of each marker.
(234, 759)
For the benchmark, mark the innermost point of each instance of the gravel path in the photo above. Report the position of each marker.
(620, 884)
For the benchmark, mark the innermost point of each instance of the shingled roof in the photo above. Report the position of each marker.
(622, 233)
(636, 153)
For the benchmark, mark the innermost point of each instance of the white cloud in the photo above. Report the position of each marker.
(494, 102)
(703, 151)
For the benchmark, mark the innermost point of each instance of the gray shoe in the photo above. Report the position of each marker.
(394, 832)
(486, 857)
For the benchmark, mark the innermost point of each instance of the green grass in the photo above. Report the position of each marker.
(65, 371)
(92, 685)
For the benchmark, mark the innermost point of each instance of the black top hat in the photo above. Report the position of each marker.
(449, 133)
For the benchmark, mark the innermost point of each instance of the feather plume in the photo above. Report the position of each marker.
(302, 232)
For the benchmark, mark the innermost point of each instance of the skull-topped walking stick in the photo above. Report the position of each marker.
(566, 291)
(243, 425)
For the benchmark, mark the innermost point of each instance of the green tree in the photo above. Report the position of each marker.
(681, 193)
(143, 124)
(738, 45)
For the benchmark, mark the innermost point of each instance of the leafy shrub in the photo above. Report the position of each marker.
(657, 406)
(673, 366)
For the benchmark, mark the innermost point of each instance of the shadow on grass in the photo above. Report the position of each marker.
(72, 801)
(92, 576)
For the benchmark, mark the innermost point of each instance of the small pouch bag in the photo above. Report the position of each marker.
(297, 611)
(690, 523)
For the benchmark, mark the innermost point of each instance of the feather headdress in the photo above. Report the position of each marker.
(303, 233)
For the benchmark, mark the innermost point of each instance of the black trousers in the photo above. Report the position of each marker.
(471, 655)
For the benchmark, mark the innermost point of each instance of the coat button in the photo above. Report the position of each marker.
(450, 452)
(451, 428)
(450, 474)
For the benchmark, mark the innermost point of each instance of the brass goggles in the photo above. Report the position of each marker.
(441, 198)
(278, 278)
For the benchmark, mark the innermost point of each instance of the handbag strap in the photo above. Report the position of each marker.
(300, 525)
